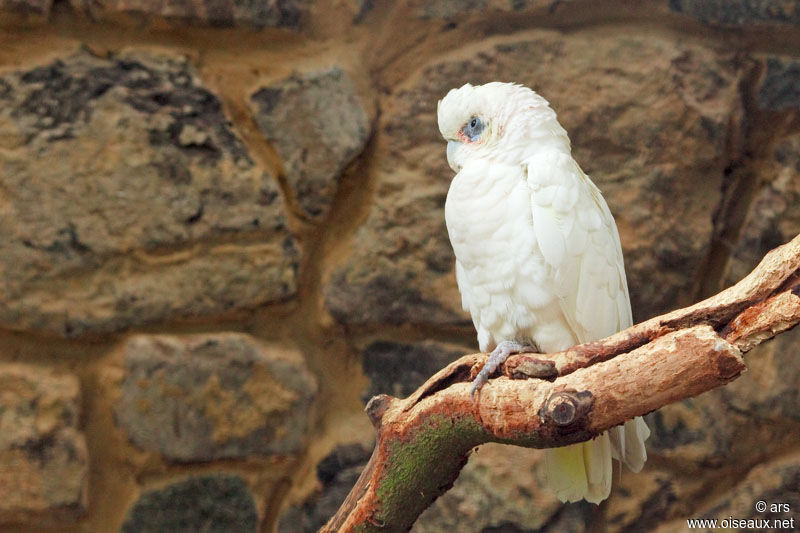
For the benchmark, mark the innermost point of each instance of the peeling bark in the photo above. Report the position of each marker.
(566, 397)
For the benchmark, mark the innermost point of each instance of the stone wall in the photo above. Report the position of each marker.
(221, 231)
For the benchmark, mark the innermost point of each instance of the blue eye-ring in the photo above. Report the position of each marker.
(472, 129)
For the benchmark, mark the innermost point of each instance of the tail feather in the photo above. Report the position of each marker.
(566, 472)
(597, 458)
(636, 432)
(580, 471)
(617, 436)
(583, 470)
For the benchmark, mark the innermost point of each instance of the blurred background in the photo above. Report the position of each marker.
(222, 232)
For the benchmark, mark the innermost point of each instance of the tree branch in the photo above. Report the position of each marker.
(566, 397)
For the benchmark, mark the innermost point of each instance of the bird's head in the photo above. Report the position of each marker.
(496, 121)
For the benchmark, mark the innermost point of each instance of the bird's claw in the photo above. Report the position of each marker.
(496, 358)
(480, 380)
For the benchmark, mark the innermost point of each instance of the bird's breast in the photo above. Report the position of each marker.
(487, 212)
(504, 281)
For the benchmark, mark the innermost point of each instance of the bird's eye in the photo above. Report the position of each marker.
(472, 129)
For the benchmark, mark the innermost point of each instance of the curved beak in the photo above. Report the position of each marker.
(452, 147)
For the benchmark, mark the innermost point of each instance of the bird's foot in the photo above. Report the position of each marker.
(497, 358)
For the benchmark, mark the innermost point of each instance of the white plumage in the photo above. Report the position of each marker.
(538, 257)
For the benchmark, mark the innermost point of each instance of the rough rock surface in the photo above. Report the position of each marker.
(203, 397)
(43, 457)
(215, 502)
(457, 8)
(39, 8)
(739, 12)
(775, 484)
(268, 13)
(773, 217)
(690, 431)
(780, 88)
(398, 369)
(128, 165)
(336, 474)
(639, 502)
(401, 269)
(317, 125)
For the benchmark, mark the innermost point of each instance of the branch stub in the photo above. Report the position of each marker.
(376, 407)
(565, 407)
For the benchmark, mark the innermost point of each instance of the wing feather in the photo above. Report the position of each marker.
(548, 234)
(576, 233)
(573, 226)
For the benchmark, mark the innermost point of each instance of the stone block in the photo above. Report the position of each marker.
(216, 396)
(43, 456)
(127, 198)
(209, 502)
(317, 124)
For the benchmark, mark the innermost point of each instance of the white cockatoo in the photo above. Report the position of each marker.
(538, 257)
